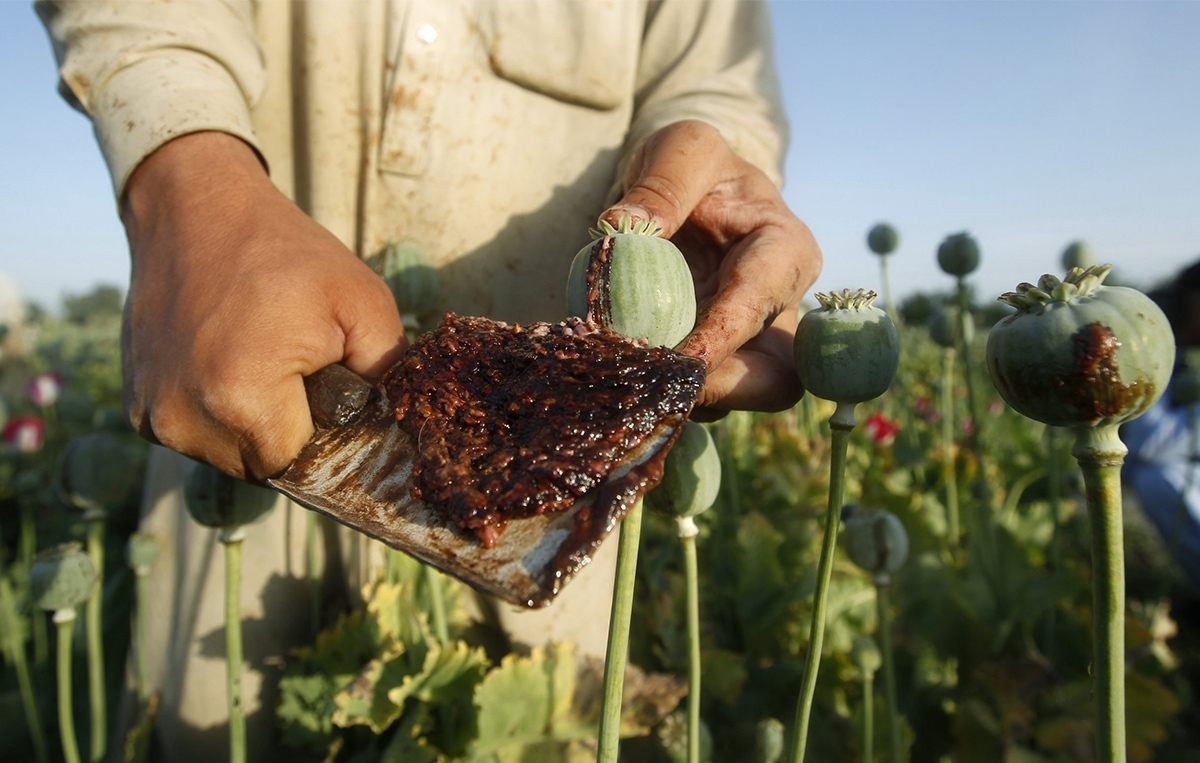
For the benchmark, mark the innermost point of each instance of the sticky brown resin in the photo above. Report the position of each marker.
(513, 421)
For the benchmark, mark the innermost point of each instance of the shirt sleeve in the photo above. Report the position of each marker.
(713, 62)
(147, 72)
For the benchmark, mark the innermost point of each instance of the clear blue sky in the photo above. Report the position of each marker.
(1029, 124)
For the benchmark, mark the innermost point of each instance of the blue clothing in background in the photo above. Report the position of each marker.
(1157, 470)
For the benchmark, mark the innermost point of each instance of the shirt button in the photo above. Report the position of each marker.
(427, 34)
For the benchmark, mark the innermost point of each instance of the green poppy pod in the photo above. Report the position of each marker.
(95, 472)
(411, 277)
(769, 740)
(635, 282)
(847, 350)
(1078, 255)
(142, 550)
(214, 499)
(672, 737)
(958, 254)
(1077, 353)
(865, 655)
(944, 327)
(883, 239)
(875, 540)
(691, 476)
(61, 578)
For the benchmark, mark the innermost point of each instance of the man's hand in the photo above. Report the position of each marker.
(751, 258)
(235, 296)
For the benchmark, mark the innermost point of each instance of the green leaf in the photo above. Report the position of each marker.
(446, 675)
(307, 689)
(377, 697)
(303, 712)
(724, 674)
(137, 741)
(406, 745)
(526, 709)
(446, 684)
(1149, 707)
(762, 593)
(394, 609)
(343, 648)
(364, 702)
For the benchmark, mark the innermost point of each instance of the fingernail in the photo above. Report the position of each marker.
(614, 214)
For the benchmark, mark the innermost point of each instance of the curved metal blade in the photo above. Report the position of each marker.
(359, 472)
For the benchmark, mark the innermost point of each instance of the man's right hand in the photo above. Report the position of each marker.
(235, 296)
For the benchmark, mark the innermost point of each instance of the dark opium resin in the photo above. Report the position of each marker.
(512, 421)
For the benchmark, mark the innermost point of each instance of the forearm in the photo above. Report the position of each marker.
(191, 183)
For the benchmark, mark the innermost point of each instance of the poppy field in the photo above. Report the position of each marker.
(905, 574)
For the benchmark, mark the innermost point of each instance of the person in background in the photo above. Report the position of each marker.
(259, 151)
(1163, 464)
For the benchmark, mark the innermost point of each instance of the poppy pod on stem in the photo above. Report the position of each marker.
(1089, 357)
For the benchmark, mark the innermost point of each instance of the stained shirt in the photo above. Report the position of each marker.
(490, 133)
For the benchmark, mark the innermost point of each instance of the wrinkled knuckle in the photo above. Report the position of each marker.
(226, 404)
(664, 193)
(246, 425)
(697, 131)
(167, 424)
(137, 413)
(261, 449)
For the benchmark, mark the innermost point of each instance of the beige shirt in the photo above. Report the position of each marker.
(491, 133)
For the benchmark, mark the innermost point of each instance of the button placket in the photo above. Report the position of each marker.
(413, 91)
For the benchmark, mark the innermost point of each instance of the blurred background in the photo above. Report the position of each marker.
(1028, 124)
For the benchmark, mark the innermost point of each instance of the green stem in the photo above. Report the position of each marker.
(233, 643)
(889, 669)
(15, 647)
(687, 537)
(141, 576)
(887, 288)
(949, 467)
(391, 567)
(65, 620)
(41, 641)
(1013, 500)
(437, 604)
(314, 570)
(868, 730)
(840, 424)
(95, 639)
(730, 484)
(1055, 533)
(976, 438)
(618, 636)
(1100, 454)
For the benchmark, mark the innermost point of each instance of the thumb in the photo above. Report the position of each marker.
(669, 175)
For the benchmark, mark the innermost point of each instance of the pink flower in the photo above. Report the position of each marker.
(925, 410)
(25, 433)
(881, 429)
(43, 389)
